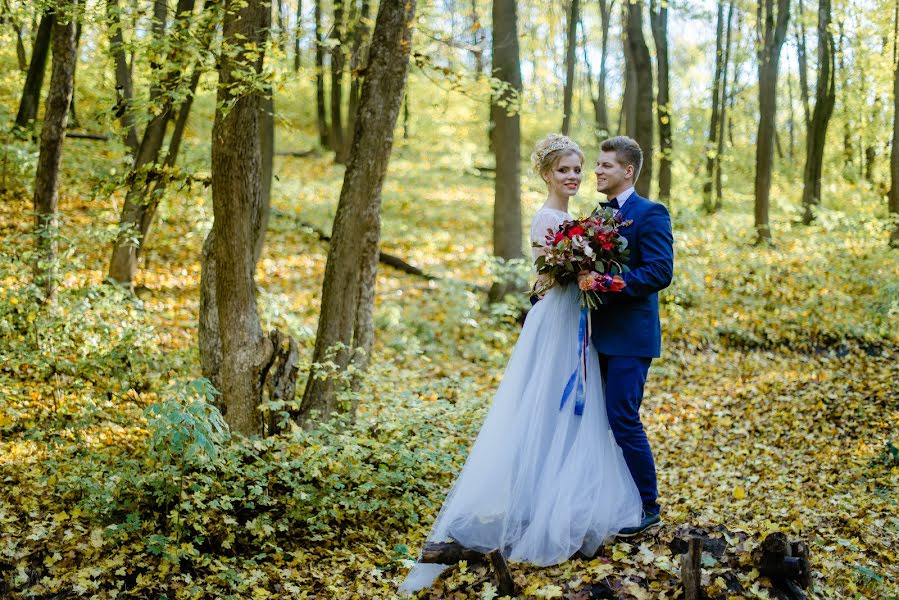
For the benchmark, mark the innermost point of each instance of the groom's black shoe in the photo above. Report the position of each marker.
(648, 521)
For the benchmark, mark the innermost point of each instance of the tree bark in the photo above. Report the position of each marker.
(658, 16)
(570, 53)
(338, 34)
(801, 54)
(715, 130)
(643, 118)
(506, 139)
(627, 118)
(323, 132)
(347, 292)
(34, 81)
(773, 33)
(477, 40)
(53, 133)
(73, 113)
(237, 198)
(124, 85)
(358, 61)
(825, 98)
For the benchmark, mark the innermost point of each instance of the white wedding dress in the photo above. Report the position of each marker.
(540, 482)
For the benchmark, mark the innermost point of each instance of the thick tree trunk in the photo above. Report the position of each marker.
(825, 98)
(348, 289)
(642, 67)
(53, 133)
(34, 81)
(297, 36)
(124, 85)
(658, 16)
(773, 34)
(320, 110)
(357, 69)
(715, 130)
(506, 134)
(141, 200)
(237, 204)
(570, 53)
(338, 53)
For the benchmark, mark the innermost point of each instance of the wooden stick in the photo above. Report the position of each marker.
(506, 585)
(691, 569)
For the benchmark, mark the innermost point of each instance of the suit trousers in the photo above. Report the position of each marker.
(624, 378)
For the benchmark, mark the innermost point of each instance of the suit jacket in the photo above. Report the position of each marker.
(628, 325)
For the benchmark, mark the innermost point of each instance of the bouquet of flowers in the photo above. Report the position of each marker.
(589, 252)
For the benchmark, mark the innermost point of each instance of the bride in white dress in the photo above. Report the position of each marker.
(541, 482)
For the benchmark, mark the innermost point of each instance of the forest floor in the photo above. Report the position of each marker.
(774, 408)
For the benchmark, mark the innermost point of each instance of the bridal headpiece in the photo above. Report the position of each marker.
(552, 143)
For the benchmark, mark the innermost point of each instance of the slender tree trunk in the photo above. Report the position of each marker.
(141, 202)
(357, 69)
(345, 323)
(802, 54)
(717, 103)
(894, 161)
(504, 113)
(477, 39)
(791, 119)
(658, 16)
(324, 133)
(773, 34)
(570, 53)
(21, 54)
(627, 119)
(34, 81)
(338, 53)
(73, 113)
(53, 133)
(602, 103)
(825, 98)
(297, 36)
(124, 85)
(281, 38)
(642, 66)
(237, 204)
(726, 93)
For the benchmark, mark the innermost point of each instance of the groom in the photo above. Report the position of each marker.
(626, 330)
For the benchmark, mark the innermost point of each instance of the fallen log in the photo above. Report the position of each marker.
(451, 553)
(298, 154)
(87, 136)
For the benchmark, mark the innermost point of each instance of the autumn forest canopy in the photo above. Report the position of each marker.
(262, 265)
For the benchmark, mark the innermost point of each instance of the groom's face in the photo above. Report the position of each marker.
(612, 177)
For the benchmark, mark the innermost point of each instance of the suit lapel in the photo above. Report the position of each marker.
(628, 207)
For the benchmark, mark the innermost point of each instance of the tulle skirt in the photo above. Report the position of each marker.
(540, 483)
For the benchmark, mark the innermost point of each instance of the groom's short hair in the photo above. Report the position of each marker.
(627, 150)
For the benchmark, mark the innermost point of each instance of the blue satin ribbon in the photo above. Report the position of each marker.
(577, 382)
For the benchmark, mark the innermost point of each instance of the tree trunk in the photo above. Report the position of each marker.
(73, 113)
(801, 54)
(124, 85)
(602, 103)
(773, 34)
(337, 67)
(324, 135)
(825, 98)
(34, 81)
(658, 17)
(477, 40)
(357, 70)
(627, 118)
(643, 118)
(726, 95)
(21, 55)
(297, 35)
(504, 113)
(53, 133)
(281, 38)
(894, 153)
(717, 103)
(570, 50)
(237, 198)
(141, 202)
(348, 289)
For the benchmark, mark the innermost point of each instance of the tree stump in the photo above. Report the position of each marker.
(786, 564)
(451, 553)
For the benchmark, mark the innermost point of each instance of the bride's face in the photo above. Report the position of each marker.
(564, 179)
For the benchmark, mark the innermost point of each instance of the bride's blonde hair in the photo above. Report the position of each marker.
(550, 150)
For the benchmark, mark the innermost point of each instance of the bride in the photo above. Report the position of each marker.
(541, 483)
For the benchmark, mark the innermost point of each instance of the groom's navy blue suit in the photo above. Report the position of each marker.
(627, 335)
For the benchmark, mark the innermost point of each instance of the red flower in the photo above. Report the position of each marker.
(576, 230)
(559, 237)
(617, 284)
